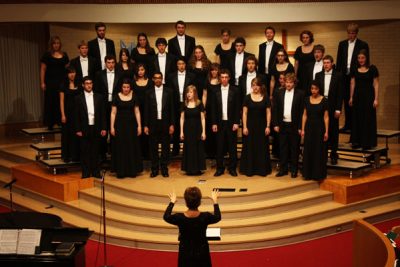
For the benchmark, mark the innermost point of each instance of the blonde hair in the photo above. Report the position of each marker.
(195, 95)
(291, 77)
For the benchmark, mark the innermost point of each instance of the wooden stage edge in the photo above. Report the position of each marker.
(376, 182)
(66, 187)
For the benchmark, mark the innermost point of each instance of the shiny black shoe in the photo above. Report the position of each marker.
(218, 173)
(153, 174)
(233, 173)
(293, 174)
(281, 173)
(164, 173)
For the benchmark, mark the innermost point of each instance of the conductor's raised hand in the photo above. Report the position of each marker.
(214, 195)
(172, 197)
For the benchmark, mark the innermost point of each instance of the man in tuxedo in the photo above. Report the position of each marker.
(159, 120)
(225, 118)
(267, 53)
(181, 45)
(346, 63)
(178, 81)
(287, 116)
(106, 84)
(83, 64)
(90, 127)
(313, 68)
(237, 61)
(332, 84)
(164, 62)
(101, 46)
(250, 74)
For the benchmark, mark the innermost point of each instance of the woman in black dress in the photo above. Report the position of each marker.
(303, 55)
(193, 245)
(193, 133)
(125, 127)
(52, 75)
(314, 129)
(282, 66)
(213, 82)
(255, 159)
(364, 91)
(225, 49)
(143, 54)
(140, 85)
(200, 66)
(69, 140)
(125, 66)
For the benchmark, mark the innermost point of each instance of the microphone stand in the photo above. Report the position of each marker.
(10, 185)
(103, 206)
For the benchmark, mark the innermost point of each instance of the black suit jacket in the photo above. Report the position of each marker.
(101, 84)
(341, 60)
(243, 84)
(174, 86)
(94, 51)
(261, 56)
(336, 88)
(308, 77)
(174, 49)
(297, 108)
(76, 63)
(81, 114)
(170, 65)
(168, 110)
(232, 68)
(234, 106)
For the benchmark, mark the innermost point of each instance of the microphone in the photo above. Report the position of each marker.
(9, 184)
(103, 174)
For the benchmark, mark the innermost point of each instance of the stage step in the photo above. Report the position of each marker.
(65, 187)
(295, 232)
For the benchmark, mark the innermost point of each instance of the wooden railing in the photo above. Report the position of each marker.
(371, 248)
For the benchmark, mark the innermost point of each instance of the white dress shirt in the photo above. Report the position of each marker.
(250, 77)
(327, 82)
(268, 49)
(159, 91)
(110, 83)
(317, 68)
(103, 51)
(239, 58)
(350, 51)
(162, 60)
(181, 84)
(224, 95)
(90, 106)
(287, 106)
(181, 41)
(84, 66)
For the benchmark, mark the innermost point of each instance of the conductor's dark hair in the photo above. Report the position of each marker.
(161, 41)
(240, 40)
(99, 24)
(192, 197)
(269, 28)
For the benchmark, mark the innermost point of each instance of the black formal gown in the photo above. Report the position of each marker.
(54, 78)
(315, 148)
(193, 245)
(193, 161)
(224, 55)
(364, 127)
(126, 157)
(200, 80)
(276, 74)
(255, 159)
(145, 59)
(69, 141)
(211, 140)
(304, 59)
(140, 93)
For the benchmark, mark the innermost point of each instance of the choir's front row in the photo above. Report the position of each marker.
(291, 116)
